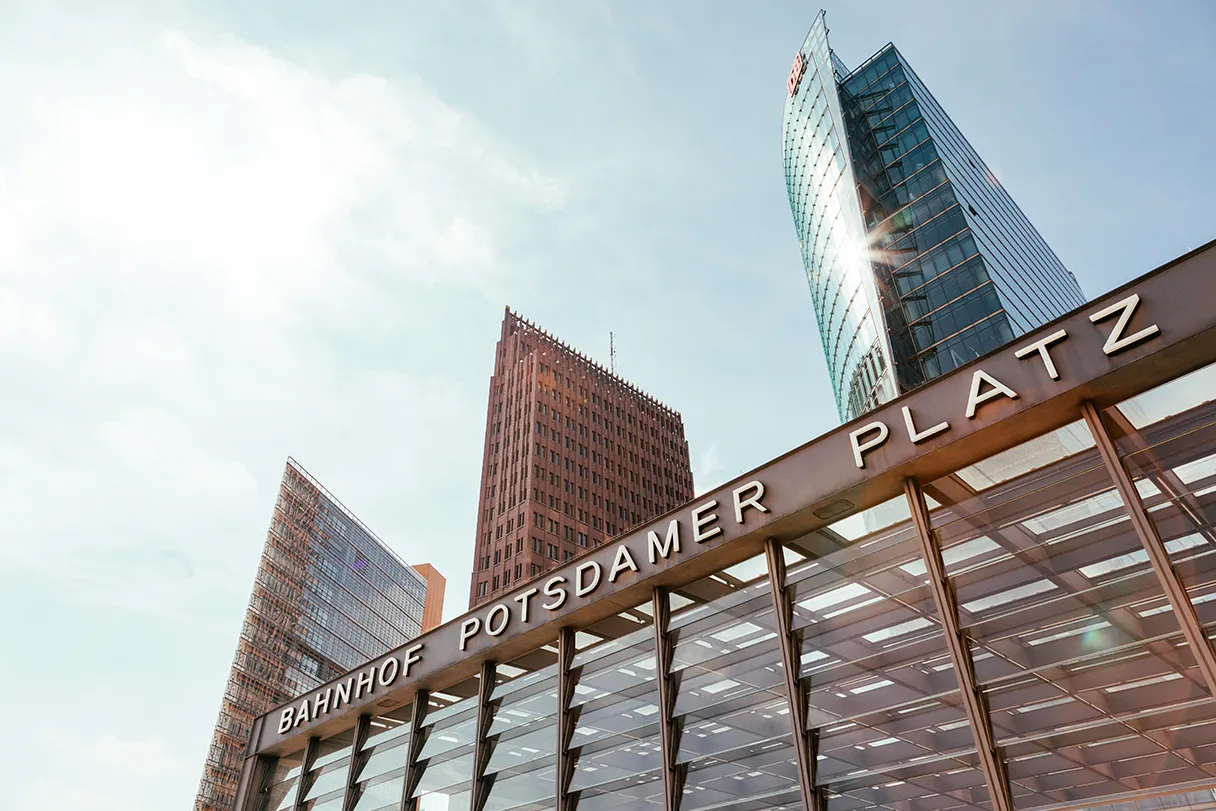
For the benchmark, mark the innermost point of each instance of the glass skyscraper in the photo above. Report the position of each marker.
(917, 259)
(328, 595)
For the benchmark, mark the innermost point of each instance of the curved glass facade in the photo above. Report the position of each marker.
(917, 258)
(831, 233)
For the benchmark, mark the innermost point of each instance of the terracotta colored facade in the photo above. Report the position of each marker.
(573, 456)
(436, 585)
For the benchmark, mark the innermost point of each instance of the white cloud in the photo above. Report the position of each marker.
(186, 245)
(222, 170)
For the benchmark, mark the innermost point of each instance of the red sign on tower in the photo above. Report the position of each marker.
(796, 73)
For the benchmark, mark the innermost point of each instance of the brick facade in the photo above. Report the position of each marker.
(573, 456)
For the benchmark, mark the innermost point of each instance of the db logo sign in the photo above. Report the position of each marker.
(796, 73)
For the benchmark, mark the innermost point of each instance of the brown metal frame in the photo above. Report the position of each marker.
(255, 777)
(481, 746)
(1175, 590)
(350, 795)
(1027, 552)
(1165, 478)
(805, 742)
(414, 749)
(306, 778)
(566, 719)
(669, 733)
(991, 761)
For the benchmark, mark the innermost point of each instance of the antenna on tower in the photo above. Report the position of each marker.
(612, 352)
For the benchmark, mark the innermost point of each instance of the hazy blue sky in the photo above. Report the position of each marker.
(230, 232)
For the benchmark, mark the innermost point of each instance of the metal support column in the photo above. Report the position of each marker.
(413, 749)
(1175, 590)
(673, 786)
(350, 795)
(255, 780)
(805, 743)
(565, 719)
(481, 747)
(991, 761)
(306, 778)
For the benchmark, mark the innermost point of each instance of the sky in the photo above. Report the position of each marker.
(232, 232)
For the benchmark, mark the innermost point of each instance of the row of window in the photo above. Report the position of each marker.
(396, 592)
(584, 393)
(571, 432)
(1015, 242)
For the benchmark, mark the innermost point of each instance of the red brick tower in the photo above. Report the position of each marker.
(573, 455)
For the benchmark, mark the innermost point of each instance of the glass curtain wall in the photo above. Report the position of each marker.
(282, 784)
(734, 747)
(379, 770)
(521, 773)
(941, 306)
(445, 759)
(1167, 440)
(617, 758)
(831, 233)
(326, 785)
(1083, 665)
(882, 696)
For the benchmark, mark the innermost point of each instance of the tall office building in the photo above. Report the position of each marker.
(917, 259)
(328, 595)
(573, 455)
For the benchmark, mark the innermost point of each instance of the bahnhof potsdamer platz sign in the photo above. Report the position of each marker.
(997, 592)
